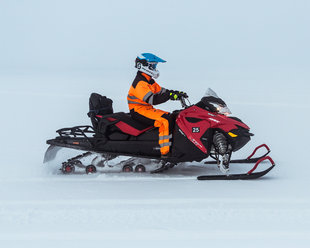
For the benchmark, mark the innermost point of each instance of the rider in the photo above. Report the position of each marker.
(145, 92)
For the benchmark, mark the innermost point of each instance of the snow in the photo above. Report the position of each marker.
(173, 209)
(52, 60)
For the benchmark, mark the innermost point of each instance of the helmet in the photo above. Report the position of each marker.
(147, 63)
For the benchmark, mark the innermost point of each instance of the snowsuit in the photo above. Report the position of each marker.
(143, 93)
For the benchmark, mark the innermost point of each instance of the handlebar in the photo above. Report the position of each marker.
(183, 103)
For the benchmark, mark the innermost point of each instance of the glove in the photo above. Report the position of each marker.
(183, 94)
(176, 95)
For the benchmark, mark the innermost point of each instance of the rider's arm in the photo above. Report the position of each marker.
(160, 95)
(144, 92)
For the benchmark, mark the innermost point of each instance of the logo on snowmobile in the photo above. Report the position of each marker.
(196, 143)
(211, 119)
(195, 130)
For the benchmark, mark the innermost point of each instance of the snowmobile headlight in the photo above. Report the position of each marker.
(224, 110)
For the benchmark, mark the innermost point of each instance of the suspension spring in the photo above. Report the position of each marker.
(220, 142)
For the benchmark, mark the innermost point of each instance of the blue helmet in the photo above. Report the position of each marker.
(147, 63)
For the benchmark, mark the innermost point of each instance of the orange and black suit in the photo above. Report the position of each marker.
(143, 94)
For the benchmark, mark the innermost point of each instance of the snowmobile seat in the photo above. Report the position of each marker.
(123, 122)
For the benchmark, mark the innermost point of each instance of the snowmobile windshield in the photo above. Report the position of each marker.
(219, 105)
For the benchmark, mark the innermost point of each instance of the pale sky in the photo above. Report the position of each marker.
(192, 35)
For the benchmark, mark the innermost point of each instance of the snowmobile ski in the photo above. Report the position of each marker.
(245, 176)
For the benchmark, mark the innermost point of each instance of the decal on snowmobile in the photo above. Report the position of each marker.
(182, 132)
(211, 119)
(195, 130)
(196, 143)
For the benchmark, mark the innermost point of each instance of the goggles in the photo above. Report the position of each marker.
(153, 65)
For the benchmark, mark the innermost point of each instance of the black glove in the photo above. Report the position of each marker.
(176, 95)
(183, 94)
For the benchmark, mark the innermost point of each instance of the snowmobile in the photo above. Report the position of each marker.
(201, 131)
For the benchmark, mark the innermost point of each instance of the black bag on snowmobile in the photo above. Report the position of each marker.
(99, 106)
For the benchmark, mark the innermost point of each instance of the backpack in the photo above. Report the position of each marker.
(99, 105)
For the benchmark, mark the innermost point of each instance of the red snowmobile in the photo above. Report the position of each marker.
(202, 130)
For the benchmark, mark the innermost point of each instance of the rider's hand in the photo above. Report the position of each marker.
(176, 95)
(183, 94)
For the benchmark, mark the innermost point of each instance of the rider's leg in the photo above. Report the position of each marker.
(160, 119)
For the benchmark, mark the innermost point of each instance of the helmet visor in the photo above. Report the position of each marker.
(153, 65)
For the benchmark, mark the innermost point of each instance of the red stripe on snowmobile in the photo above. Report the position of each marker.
(125, 128)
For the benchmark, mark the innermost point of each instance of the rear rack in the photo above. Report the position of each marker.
(76, 132)
(85, 132)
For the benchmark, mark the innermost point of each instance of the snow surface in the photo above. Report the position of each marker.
(255, 55)
(173, 209)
